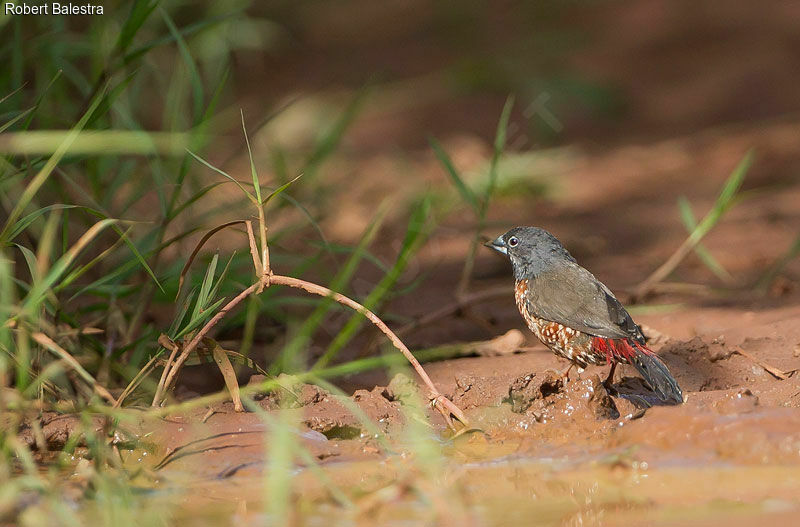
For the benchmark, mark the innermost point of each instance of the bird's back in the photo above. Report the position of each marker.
(569, 294)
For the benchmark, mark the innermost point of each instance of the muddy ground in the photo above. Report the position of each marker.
(564, 455)
(539, 452)
(736, 412)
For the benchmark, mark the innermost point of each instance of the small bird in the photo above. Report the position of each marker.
(576, 315)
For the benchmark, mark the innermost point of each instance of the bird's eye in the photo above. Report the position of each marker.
(513, 241)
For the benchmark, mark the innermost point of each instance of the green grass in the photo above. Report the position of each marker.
(478, 203)
(94, 200)
(727, 198)
(81, 244)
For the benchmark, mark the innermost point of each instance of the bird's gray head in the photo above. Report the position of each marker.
(531, 250)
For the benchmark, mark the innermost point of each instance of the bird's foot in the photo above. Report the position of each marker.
(609, 382)
(562, 375)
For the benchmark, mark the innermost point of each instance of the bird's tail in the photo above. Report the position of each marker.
(650, 367)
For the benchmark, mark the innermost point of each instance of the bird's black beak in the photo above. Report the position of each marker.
(498, 244)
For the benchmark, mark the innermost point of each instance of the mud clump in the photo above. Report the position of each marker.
(585, 399)
(57, 430)
(473, 391)
(381, 410)
(629, 409)
(525, 390)
(255, 380)
(298, 395)
(332, 417)
(548, 397)
(325, 414)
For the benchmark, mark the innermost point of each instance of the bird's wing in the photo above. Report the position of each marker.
(572, 296)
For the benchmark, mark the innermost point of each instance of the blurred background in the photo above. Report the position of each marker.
(417, 129)
(617, 110)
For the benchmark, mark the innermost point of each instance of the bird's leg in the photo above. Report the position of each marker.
(562, 374)
(610, 379)
(565, 374)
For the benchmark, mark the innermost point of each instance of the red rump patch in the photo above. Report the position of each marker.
(616, 349)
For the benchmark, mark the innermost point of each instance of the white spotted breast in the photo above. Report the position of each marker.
(562, 340)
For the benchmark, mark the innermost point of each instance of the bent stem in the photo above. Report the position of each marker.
(447, 407)
(439, 401)
(189, 348)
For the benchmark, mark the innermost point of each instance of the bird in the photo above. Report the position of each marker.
(574, 314)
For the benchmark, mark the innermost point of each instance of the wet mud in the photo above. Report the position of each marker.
(566, 453)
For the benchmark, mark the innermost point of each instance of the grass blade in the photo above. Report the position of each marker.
(181, 315)
(466, 193)
(68, 359)
(723, 202)
(184, 32)
(415, 235)
(40, 98)
(280, 189)
(222, 276)
(229, 375)
(253, 172)
(205, 287)
(331, 139)
(342, 278)
(199, 246)
(704, 254)
(197, 196)
(201, 317)
(26, 221)
(194, 75)
(140, 11)
(13, 92)
(77, 273)
(30, 261)
(41, 288)
(11, 123)
(499, 145)
(94, 142)
(219, 171)
(43, 174)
